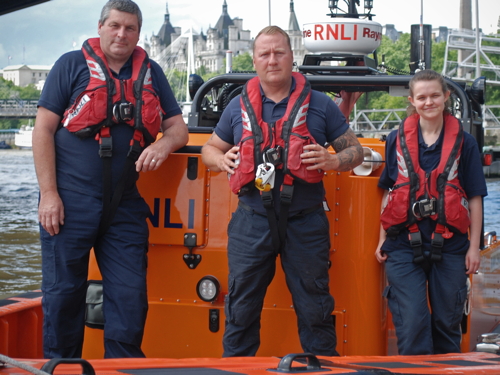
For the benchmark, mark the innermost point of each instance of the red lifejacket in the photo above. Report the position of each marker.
(441, 186)
(132, 101)
(290, 132)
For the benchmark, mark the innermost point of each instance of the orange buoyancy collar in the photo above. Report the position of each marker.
(417, 194)
(132, 101)
(290, 133)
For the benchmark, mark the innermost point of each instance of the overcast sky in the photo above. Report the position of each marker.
(40, 34)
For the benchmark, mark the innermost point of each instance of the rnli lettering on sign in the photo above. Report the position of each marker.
(156, 214)
(343, 36)
(340, 32)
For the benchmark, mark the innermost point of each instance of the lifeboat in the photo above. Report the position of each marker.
(191, 206)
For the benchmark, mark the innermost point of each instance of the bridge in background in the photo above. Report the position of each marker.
(18, 108)
(384, 120)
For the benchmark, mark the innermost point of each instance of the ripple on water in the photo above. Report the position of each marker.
(20, 256)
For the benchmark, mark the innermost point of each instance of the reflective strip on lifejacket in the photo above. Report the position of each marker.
(301, 116)
(95, 70)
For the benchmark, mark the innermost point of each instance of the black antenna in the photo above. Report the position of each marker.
(421, 59)
(352, 11)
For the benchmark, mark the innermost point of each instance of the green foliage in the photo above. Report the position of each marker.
(10, 91)
(437, 56)
(178, 81)
(11, 123)
(207, 76)
(395, 54)
(243, 63)
(29, 92)
(492, 92)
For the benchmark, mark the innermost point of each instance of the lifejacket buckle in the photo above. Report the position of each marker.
(264, 177)
(437, 243)
(415, 239)
(123, 112)
(424, 207)
(273, 156)
(437, 240)
(105, 147)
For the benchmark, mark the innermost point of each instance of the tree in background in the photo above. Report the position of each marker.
(243, 63)
(10, 91)
(395, 56)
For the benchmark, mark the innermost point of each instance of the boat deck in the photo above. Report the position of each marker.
(470, 363)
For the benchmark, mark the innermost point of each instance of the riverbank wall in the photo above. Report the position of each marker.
(492, 170)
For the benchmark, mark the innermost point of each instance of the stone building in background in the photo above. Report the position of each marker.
(169, 47)
(24, 75)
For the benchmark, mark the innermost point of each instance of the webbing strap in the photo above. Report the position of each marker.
(105, 152)
(267, 201)
(285, 202)
(111, 201)
(278, 227)
(415, 238)
(437, 242)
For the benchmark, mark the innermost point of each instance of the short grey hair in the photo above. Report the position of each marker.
(123, 6)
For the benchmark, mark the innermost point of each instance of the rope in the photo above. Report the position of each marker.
(13, 362)
(393, 70)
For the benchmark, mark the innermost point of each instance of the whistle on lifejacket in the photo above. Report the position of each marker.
(264, 177)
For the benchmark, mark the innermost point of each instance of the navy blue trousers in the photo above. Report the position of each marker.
(122, 258)
(410, 292)
(252, 265)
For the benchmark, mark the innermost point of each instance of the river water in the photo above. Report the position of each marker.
(19, 242)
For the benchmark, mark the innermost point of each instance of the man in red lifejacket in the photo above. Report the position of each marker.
(280, 128)
(90, 141)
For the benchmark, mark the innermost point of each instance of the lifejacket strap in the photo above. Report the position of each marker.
(286, 195)
(105, 142)
(135, 150)
(267, 201)
(437, 243)
(416, 244)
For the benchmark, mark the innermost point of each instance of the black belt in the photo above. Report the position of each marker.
(303, 212)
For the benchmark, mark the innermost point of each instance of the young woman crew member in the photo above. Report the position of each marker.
(431, 220)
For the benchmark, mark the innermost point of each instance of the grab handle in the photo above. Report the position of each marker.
(51, 365)
(285, 364)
